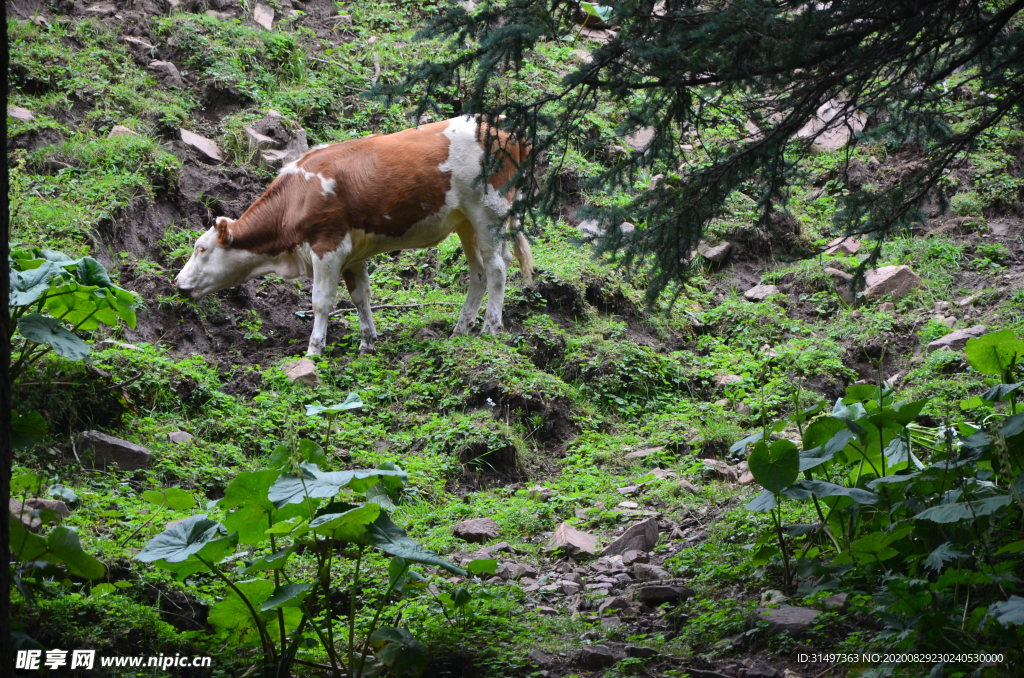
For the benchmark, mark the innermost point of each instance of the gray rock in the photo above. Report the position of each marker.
(632, 557)
(539, 658)
(206, 147)
(138, 42)
(724, 380)
(500, 547)
(788, 618)
(650, 572)
(838, 601)
(525, 571)
(34, 511)
(609, 605)
(121, 131)
(546, 611)
(895, 281)
(629, 490)
(717, 468)
(303, 372)
(888, 307)
(612, 621)
(478, 530)
(659, 594)
(260, 141)
(107, 450)
(538, 493)
(274, 159)
(717, 254)
(640, 454)
(595, 656)
(222, 16)
(571, 540)
(956, 340)
(760, 293)
(641, 652)
(845, 245)
(640, 537)
(687, 486)
(837, 275)
(167, 73)
(180, 437)
(569, 588)
(264, 16)
(760, 669)
(832, 126)
(639, 139)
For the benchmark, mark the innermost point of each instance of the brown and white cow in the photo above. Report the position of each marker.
(329, 211)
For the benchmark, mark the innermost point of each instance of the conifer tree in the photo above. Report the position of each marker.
(682, 67)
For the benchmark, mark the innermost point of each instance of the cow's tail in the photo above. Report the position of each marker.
(524, 255)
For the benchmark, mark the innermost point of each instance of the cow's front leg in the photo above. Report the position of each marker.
(358, 282)
(326, 275)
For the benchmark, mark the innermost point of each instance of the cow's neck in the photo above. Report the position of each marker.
(262, 230)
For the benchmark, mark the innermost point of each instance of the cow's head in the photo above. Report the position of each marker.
(215, 265)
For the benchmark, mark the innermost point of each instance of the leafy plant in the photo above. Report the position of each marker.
(293, 505)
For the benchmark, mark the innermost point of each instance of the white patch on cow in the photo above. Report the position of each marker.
(327, 185)
(326, 275)
(318, 147)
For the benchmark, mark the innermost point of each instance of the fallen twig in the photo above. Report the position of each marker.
(383, 306)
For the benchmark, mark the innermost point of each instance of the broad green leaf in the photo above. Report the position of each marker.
(214, 552)
(353, 402)
(764, 555)
(891, 480)
(43, 330)
(27, 430)
(602, 12)
(233, 619)
(253, 511)
(402, 654)
(957, 511)
(461, 597)
(740, 446)
(1009, 612)
(100, 590)
(857, 393)
(483, 566)
(91, 272)
(763, 502)
(825, 489)
(349, 526)
(65, 494)
(393, 540)
(396, 570)
(25, 546)
(181, 540)
(291, 489)
(940, 556)
(904, 413)
(1013, 547)
(171, 497)
(289, 595)
(28, 286)
(273, 561)
(994, 352)
(776, 466)
(821, 431)
(285, 526)
(62, 543)
(1001, 392)
(897, 452)
(30, 483)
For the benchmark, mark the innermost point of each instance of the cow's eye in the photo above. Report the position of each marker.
(200, 249)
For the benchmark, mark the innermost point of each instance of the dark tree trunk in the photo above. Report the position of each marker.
(6, 452)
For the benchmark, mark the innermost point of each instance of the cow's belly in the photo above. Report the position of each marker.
(427, 233)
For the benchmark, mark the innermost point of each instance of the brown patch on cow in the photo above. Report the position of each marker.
(350, 280)
(509, 151)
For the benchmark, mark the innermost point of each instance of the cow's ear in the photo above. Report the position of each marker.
(223, 236)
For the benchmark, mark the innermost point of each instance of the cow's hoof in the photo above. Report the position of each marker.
(367, 350)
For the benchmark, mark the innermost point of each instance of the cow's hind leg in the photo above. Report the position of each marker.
(477, 279)
(496, 258)
(326, 274)
(358, 282)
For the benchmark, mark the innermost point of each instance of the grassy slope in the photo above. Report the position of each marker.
(623, 378)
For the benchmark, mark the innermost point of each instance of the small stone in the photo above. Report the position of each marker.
(220, 16)
(746, 478)
(501, 547)
(716, 254)
(967, 301)
(259, 141)
(274, 159)
(179, 437)
(721, 470)
(580, 513)
(759, 669)
(957, 339)
(571, 540)
(895, 281)
(887, 307)
(205, 146)
(838, 275)
(137, 42)
(650, 572)
(546, 611)
(724, 380)
(50, 510)
(916, 360)
(539, 658)
(538, 493)
(110, 451)
(838, 601)
(302, 372)
(641, 652)
(595, 656)
(264, 16)
(633, 557)
(941, 306)
(524, 571)
(629, 490)
(478, 530)
(845, 245)
(627, 505)
(788, 618)
(612, 621)
(626, 227)
(165, 68)
(640, 454)
(639, 139)
(590, 227)
(743, 409)
(664, 474)
(612, 604)
(569, 588)
(722, 402)
(760, 293)
(121, 131)
(949, 321)
(687, 486)
(640, 537)
(20, 114)
(659, 594)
